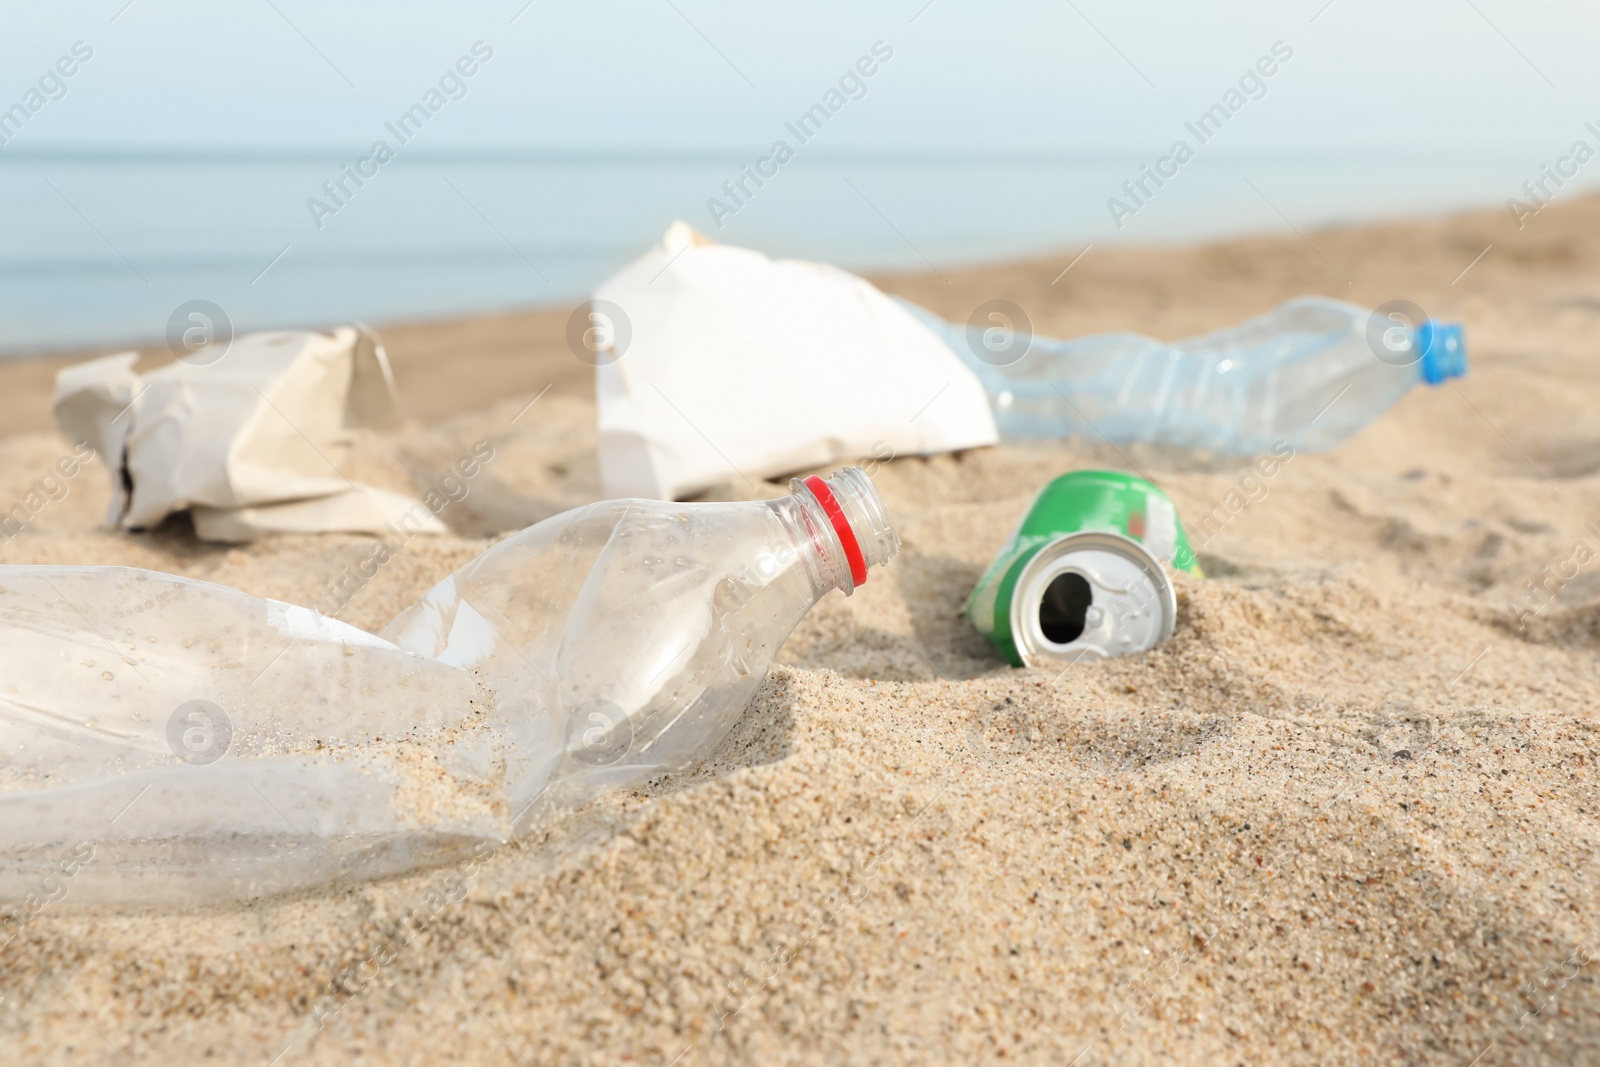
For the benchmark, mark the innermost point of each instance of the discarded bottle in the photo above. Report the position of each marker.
(207, 744)
(1083, 575)
(626, 637)
(1310, 373)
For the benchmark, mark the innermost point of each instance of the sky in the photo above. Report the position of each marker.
(1469, 77)
(196, 152)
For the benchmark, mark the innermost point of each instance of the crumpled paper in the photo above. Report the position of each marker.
(716, 364)
(249, 443)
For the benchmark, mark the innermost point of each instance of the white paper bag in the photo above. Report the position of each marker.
(93, 402)
(717, 364)
(251, 442)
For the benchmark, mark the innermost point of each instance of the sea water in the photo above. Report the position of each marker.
(103, 247)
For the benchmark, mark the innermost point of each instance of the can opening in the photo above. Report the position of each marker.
(1063, 608)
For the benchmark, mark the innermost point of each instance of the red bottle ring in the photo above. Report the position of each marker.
(841, 526)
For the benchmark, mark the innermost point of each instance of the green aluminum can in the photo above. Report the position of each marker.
(1085, 573)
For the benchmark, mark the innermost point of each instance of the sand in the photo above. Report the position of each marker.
(1345, 815)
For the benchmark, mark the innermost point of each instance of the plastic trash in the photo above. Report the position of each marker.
(1310, 373)
(716, 364)
(247, 439)
(204, 744)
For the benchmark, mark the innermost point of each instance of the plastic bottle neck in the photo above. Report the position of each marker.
(840, 527)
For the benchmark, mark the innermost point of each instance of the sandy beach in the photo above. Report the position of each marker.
(1345, 815)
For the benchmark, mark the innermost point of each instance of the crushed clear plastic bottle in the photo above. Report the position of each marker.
(207, 744)
(1310, 373)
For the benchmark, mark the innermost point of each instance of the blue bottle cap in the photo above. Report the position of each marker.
(1444, 351)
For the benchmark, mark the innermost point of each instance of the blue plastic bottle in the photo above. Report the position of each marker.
(1312, 372)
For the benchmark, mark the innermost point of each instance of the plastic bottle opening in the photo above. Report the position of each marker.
(860, 519)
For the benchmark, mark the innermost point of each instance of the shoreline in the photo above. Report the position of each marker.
(1344, 815)
(1107, 289)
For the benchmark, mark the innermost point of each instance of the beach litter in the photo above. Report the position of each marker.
(1083, 576)
(717, 365)
(1310, 373)
(205, 744)
(249, 440)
